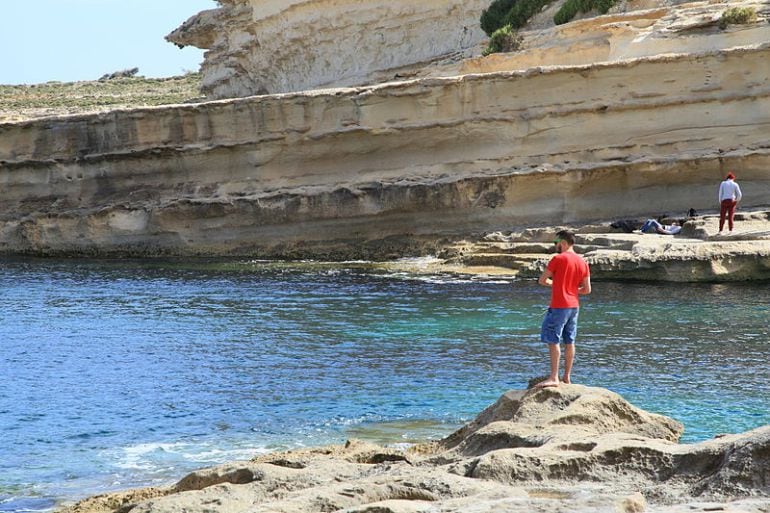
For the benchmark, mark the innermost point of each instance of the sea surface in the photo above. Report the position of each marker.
(116, 374)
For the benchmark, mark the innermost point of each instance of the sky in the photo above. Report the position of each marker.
(72, 40)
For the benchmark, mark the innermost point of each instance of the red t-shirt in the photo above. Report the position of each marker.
(568, 269)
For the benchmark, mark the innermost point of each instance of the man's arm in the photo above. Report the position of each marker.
(738, 193)
(546, 279)
(585, 286)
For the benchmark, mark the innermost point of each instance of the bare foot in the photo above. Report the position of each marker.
(548, 383)
(566, 380)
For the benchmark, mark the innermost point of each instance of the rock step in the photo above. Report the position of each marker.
(507, 260)
(619, 241)
(516, 248)
(540, 248)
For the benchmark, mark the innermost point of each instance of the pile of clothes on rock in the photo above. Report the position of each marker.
(653, 225)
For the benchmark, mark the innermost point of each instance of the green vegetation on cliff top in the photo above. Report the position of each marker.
(515, 14)
(738, 16)
(571, 8)
(22, 102)
(504, 39)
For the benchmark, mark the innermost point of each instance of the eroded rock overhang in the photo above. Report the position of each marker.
(276, 46)
(382, 171)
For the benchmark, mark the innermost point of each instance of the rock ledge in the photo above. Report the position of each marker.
(571, 448)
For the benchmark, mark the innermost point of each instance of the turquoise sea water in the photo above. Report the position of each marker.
(122, 374)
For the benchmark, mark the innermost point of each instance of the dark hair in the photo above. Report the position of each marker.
(567, 236)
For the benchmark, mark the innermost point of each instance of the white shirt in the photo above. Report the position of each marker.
(729, 190)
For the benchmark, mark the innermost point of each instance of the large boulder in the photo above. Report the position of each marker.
(566, 415)
(575, 434)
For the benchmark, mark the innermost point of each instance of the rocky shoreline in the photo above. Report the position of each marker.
(698, 254)
(571, 448)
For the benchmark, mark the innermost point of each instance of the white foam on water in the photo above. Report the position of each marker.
(140, 457)
(216, 454)
(446, 279)
(151, 458)
(26, 505)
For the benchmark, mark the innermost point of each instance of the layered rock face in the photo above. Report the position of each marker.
(401, 168)
(376, 172)
(258, 47)
(689, 28)
(572, 448)
(275, 46)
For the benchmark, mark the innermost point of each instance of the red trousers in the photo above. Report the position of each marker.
(727, 210)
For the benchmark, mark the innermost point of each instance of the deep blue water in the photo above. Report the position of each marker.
(121, 374)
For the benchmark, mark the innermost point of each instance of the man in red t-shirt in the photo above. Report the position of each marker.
(568, 276)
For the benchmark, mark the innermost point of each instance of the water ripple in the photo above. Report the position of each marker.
(120, 374)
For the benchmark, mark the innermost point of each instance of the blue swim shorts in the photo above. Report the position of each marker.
(559, 325)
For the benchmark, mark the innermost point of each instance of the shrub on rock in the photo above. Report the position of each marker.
(571, 8)
(523, 10)
(493, 18)
(738, 16)
(504, 39)
(515, 13)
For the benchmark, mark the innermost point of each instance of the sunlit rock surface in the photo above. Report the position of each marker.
(412, 167)
(698, 254)
(686, 28)
(274, 46)
(571, 448)
(263, 47)
(394, 169)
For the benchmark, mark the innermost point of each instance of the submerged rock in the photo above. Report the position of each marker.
(573, 447)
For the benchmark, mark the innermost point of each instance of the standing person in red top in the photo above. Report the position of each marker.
(568, 276)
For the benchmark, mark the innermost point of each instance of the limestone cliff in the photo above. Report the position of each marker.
(397, 168)
(263, 47)
(366, 172)
(274, 46)
(688, 28)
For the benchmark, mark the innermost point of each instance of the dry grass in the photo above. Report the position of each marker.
(24, 102)
(738, 16)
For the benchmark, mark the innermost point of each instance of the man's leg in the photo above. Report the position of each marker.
(569, 358)
(554, 352)
(569, 335)
(731, 214)
(722, 214)
(550, 333)
(553, 379)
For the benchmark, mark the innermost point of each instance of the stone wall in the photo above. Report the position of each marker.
(375, 172)
(275, 46)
